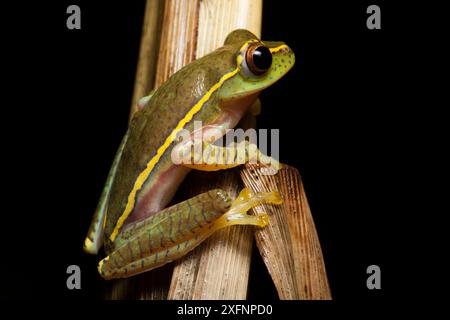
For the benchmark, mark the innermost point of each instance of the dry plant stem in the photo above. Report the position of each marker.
(289, 245)
(152, 285)
(219, 17)
(146, 67)
(308, 260)
(178, 38)
(219, 268)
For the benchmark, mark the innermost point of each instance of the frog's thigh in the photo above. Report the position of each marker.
(204, 156)
(173, 232)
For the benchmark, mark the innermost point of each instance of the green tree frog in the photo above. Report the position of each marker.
(131, 220)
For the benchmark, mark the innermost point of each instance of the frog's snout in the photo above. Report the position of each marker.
(283, 58)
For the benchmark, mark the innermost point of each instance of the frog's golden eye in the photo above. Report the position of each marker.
(258, 58)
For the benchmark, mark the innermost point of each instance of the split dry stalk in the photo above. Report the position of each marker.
(289, 245)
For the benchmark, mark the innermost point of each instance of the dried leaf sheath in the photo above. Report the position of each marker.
(148, 52)
(308, 260)
(289, 245)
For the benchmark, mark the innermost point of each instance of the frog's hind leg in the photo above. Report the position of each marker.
(175, 231)
(164, 236)
(94, 238)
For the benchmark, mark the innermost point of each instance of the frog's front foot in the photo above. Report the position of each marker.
(175, 231)
(202, 155)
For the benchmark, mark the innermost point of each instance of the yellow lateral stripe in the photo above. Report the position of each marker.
(154, 160)
(276, 49)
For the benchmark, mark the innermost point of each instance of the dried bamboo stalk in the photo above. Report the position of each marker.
(289, 245)
(178, 38)
(310, 271)
(219, 268)
(219, 17)
(145, 72)
(151, 285)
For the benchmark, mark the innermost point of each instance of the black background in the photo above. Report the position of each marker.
(341, 120)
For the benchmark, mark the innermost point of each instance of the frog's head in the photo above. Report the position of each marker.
(257, 64)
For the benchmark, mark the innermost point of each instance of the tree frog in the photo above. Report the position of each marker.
(131, 220)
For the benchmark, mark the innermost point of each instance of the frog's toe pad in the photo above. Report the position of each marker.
(263, 220)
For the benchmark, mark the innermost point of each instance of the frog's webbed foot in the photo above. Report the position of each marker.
(247, 199)
(175, 231)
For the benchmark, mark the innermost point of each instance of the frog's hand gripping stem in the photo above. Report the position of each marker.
(94, 238)
(205, 156)
(175, 231)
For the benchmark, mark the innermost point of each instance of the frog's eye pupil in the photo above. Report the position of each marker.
(262, 58)
(259, 59)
